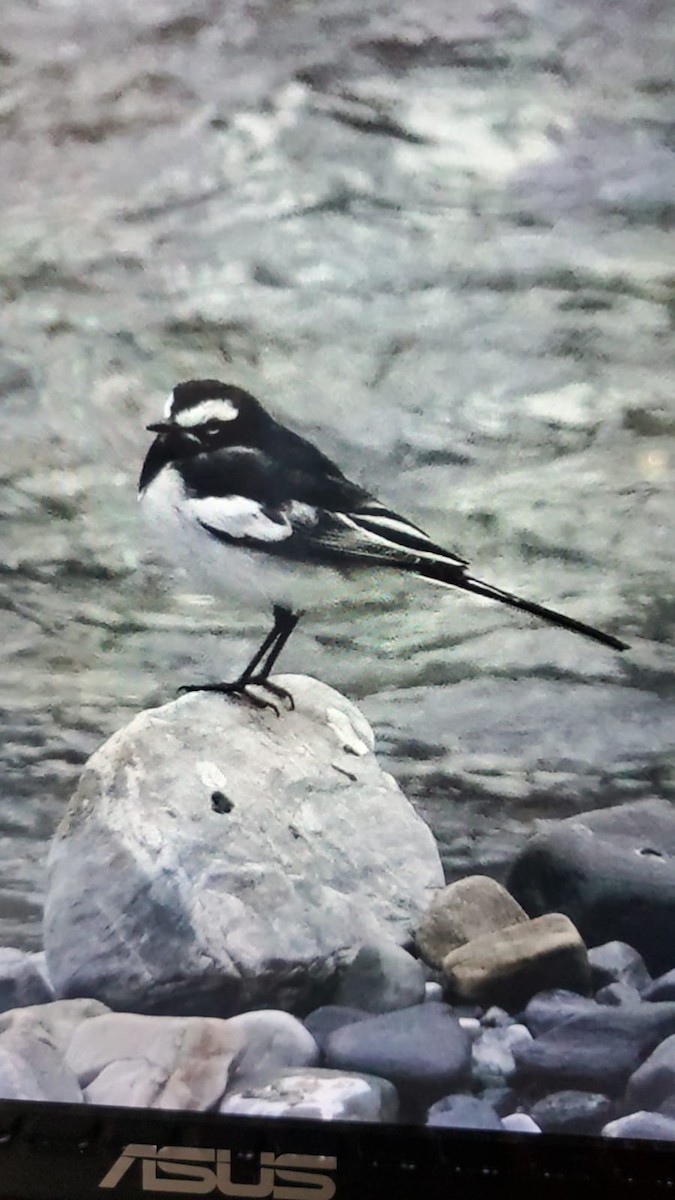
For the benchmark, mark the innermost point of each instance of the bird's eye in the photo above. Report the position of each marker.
(212, 427)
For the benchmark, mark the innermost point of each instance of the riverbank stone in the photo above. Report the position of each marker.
(649, 1125)
(217, 857)
(315, 1093)
(552, 1007)
(595, 1051)
(466, 909)
(572, 1112)
(422, 1048)
(463, 1112)
(381, 978)
(612, 872)
(181, 1062)
(653, 1084)
(508, 967)
(617, 962)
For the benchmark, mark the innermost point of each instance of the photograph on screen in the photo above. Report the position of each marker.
(337, 584)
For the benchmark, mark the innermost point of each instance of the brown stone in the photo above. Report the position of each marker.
(463, 911)
(511, 965)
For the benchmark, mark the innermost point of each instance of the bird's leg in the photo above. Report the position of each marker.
(284, 624)
(268, 644)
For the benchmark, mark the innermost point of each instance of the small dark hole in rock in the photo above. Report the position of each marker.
(294, 832)
(649, 853)
(220, 803)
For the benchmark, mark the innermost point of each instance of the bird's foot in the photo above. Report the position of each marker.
(239, 689)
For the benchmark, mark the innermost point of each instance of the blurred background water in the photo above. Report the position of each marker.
(435, 237)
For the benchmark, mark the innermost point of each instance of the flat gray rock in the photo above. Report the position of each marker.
(216, 857)
(595, 1051)
(422, 1047)
(315, 1093)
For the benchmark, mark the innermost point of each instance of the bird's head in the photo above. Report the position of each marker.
(203, 414)
(200, 416)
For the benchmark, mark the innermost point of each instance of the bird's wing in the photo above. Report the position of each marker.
(252, 499)
(373, 531)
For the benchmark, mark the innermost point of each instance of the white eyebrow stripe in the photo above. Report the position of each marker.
(207, 410)
(166, 411)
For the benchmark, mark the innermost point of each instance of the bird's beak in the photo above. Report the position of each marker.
(160, 427)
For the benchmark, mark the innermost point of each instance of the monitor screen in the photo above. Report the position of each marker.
(337, 582)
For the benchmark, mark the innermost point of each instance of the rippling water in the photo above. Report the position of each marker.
(438, 242)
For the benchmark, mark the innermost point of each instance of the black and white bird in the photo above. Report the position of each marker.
(249, 507)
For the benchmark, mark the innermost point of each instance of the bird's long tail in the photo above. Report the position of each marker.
(451, 576)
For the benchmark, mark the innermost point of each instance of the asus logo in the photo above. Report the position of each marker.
(196, 1171)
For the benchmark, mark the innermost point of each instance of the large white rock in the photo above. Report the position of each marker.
(216, 857)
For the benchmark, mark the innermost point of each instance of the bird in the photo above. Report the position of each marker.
(248, 507)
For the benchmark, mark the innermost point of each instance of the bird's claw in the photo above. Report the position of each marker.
(239, 689)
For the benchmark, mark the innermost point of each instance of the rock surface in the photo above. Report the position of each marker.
(32, 1068)
(507, 967)
(595, 1051)
(662, 988)
(612, 871)
(21, 982)
(572, 1112)
(492, 1060)
(422, 1047)
(181, 1062)
(617, 994)
(325, 1020)
(317, 1094)
(56, 1021)
(648, 1125)
(463, 910)
(381, 978)
(519, 1122)
(617, 962)
(653, 1083)
(463, 1112)
(551, 1008)
(217, 857)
